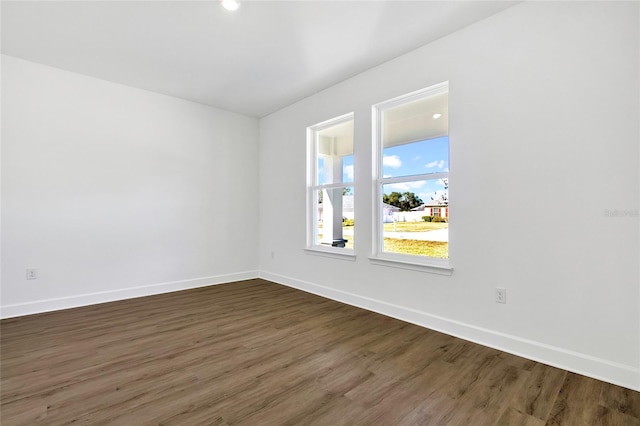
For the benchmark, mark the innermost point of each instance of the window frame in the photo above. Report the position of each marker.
(378, 255)
(313, 187)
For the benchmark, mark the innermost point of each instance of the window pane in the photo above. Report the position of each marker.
(347, 169)
(415, 137)
(334, 150)
(426, 118)
(416, 158)
(415, 218)
(335, 225)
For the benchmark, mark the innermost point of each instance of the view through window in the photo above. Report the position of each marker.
(330, 193)
(412, 144)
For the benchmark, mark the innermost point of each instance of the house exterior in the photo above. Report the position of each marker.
(433, 208)
(392, 213)
(415, 215)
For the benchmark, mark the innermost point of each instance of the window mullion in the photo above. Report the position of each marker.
(332, 185)
(412, 178)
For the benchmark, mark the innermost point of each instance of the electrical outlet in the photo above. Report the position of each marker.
(501, 295)
(32, 273)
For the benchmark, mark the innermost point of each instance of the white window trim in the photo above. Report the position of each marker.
(334, 252)
(312, 187)
(422, 264)
(378, 256)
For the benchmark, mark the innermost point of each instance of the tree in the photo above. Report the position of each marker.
(404, 201)
(442, 199)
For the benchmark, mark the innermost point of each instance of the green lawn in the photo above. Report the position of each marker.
(415, 226)
(415, 247)
(421, 248)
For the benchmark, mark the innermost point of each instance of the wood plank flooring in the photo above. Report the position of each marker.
(257, 353)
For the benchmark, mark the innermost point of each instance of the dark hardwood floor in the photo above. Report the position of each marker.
(257, 353)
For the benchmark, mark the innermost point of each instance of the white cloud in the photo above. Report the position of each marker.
(438, 163)
(387, 176)
(348, 170)
(392, 161)
(405, 186)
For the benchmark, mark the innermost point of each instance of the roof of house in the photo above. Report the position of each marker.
(430, 203)
(390, 207)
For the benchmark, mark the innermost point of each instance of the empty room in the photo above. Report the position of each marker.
(320, 212)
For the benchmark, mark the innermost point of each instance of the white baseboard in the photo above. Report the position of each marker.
(586, 365)
(48, 305)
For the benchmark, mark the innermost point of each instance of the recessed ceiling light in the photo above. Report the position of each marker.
(436, 116)
(230, 4)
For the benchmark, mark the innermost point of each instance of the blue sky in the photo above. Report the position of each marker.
(430, 156)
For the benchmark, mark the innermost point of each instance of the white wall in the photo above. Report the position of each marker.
(115, 192)
(544, 108)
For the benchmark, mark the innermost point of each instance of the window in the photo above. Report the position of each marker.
(330, 189)
(411, 179)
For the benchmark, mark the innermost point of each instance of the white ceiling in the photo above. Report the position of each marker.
(255, 61)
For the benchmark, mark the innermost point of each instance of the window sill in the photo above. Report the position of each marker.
(434, 266)
(336, 253)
